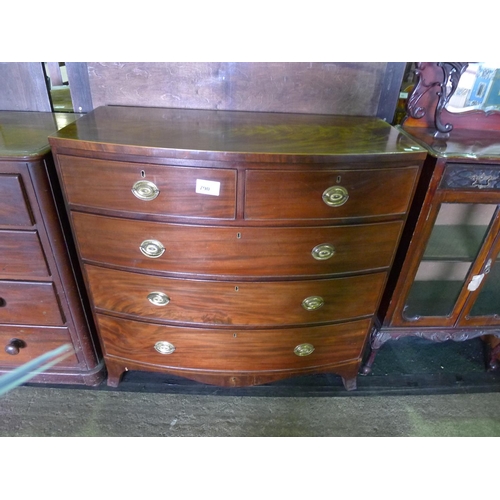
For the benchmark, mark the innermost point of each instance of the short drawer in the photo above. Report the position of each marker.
(31, 342)
(21, 255)
(331, 194)
(159, 189)
(235, 251)
(235, 303)
(14, 207)
(232, 350)
(29, 303)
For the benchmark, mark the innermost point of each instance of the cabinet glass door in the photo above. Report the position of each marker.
(455, 241)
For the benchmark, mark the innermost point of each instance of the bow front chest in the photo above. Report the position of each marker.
(234, 248)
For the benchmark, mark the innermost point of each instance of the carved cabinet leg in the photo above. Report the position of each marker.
(493, 363)
(377, 339)
(366, 369)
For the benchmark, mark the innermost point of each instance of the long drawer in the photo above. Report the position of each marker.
(32, 342)
(332, 194)
(29, 303)
(235, 303)
(159, 189)
(235, 251)
(233, 350)
(21, 255)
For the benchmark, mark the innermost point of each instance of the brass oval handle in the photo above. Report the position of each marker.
(14, 346)
(164, 347)
(335, 196)
(152, 248)
(312, 303)
(158, 298)
(145, 190)
(323, 252)
(303, 349)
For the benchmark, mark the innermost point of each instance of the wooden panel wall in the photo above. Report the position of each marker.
(23, 87)
(318, 87)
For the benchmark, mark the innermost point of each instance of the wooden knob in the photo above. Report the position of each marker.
(14, 346)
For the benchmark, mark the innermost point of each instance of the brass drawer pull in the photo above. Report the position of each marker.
(152, 248)
(145, 190)
(304, 349)
(164, 347)
(323, 252)
(335, 196)
(312, 303)
(158, 298)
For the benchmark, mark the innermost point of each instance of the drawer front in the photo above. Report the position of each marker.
(29, 303)
(349, 193)
(181, 191)
(245, 251)
(32, 342)
(22, 255)
(14, 207)
(232, 350)
(235, 303)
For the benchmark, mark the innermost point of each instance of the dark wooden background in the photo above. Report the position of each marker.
(341, 88)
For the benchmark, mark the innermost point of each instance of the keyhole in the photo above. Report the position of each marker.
(238, 235)
(236, 288)
(143, 174)
(339, 179)
(235, 335)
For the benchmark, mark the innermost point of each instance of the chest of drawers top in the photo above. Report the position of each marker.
(207, 135)
(23, 134)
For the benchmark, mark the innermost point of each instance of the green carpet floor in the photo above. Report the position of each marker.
(40, 411)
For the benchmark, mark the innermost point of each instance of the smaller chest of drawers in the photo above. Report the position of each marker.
(234, 248)
(41, 300)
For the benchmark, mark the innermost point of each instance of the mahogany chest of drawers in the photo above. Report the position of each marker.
(41, 303)
(234, 248)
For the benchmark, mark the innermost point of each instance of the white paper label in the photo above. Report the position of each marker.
(207, 187)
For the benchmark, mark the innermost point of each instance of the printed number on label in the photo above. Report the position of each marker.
(207, 187)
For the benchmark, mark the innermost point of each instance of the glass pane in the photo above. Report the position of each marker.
(488, 300)
(454, 243)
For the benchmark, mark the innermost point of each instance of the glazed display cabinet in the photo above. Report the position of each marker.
(447, 284)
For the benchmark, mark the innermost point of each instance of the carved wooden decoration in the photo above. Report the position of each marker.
(427, 104)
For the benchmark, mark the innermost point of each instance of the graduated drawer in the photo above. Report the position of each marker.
(14, 208)
(22, 255)
(182, 191)
(29, 303)
(234, 303)
(32, 342)
(235, 251)
(330, 194)
(232, 350)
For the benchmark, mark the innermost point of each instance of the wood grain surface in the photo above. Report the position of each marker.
(344, 88)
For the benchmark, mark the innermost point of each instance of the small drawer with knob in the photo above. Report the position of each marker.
(236, 251)
(234, 303)
(161, 191)
(29, 303)
(328, 194)
(231, 349)
(20, 344)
